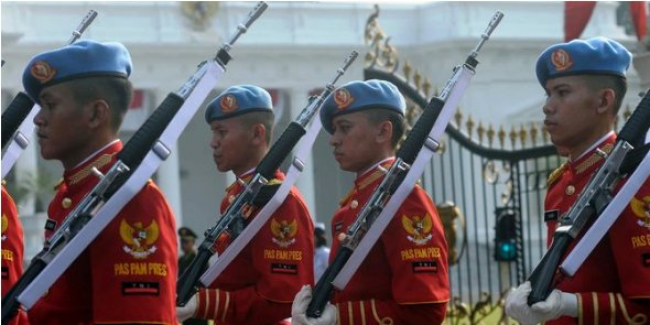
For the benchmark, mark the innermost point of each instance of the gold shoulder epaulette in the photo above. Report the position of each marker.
(58, 184)
(344, 200)
(555, 175)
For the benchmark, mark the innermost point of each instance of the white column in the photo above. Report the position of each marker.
(26, 171)
(169, 179)
(306, 182)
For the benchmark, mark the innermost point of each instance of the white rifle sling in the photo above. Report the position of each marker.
(405, 188)
(133, 185)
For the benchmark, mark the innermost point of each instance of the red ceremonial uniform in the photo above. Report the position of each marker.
(128, 274)
(613, 284)
(404, 277)
(12, 249)
(259, 285)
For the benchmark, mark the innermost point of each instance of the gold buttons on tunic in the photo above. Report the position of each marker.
(66, 202)
(231, 199)
(354, 204)
(341, 236)
(570, 190)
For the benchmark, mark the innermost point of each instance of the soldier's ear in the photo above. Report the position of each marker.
(385, 131)
(99, 113)
(606, 100)
(258, 133)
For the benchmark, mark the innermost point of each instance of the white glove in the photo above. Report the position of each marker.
(556, 305)
(187, 311)
(299, 310)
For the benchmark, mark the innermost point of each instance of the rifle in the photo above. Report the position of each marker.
(232, 222)
(593, 199)
(137, 161)
(375, 215)
(17, 119)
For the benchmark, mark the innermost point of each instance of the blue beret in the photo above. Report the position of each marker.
(599, 55)
(78, 60)
(356, 96)
(238, 100)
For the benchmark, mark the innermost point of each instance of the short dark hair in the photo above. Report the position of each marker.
(262, 117)
(117, 92)
(378, 115)
(616, 83)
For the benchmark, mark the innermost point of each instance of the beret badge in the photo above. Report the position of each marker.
(42, 71)
(561, 60)
(342, 98)
(228, 103)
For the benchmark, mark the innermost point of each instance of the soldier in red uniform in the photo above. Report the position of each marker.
(12, 249)
(128, 274)
(585, 83)
(404, 278)
(258, 287)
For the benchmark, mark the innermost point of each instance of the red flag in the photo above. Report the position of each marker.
(576, 17)
(639, 18)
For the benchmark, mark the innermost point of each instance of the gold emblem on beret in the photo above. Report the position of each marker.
(561, 60)
(42, 71)
(228, 103)
(342, 98)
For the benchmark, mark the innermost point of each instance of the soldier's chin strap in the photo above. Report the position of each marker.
(607, 218)
(296, 168)
(133, 185)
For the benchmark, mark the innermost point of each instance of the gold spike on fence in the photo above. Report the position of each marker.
(458, 116)
(628, 112)
(490, 135)
(417, 78)
(426, 87)
(502, 136)
(513, 136)
(480, 131)
(523, 135)
(407, 70)
(470, 126)
(533, 133)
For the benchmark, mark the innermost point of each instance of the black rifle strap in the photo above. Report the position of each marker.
(265, 194)
(633, 159)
